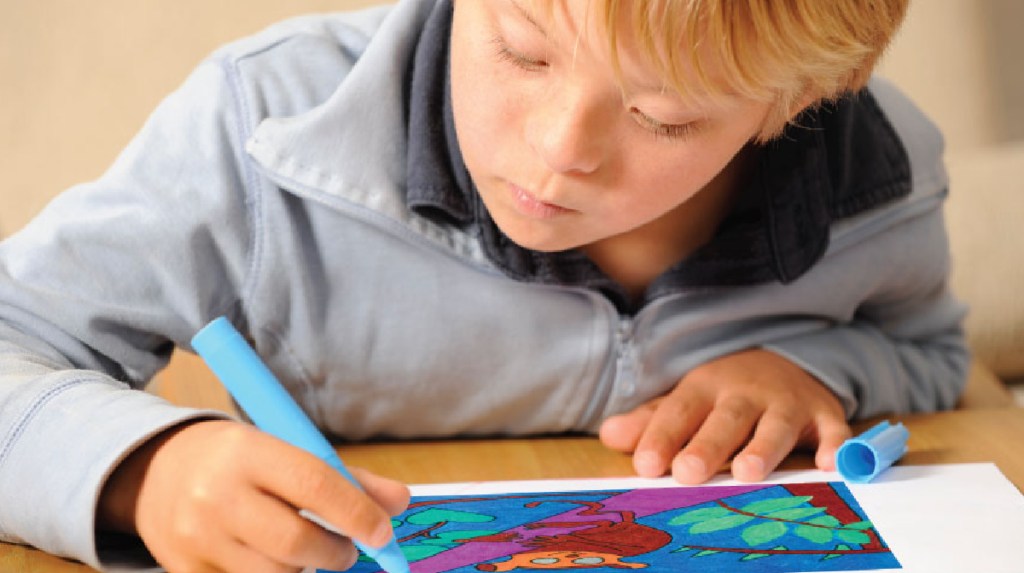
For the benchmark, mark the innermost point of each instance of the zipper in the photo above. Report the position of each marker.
(626, 363)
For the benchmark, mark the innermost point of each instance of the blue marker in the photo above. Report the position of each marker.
(274, 411)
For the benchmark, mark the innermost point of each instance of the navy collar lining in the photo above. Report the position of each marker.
(834, 162)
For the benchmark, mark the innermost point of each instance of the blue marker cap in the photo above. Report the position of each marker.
(274, 411)
(862, 458)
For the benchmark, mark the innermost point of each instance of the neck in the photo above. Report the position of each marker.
(637, 257)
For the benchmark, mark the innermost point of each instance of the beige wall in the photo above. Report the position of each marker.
(77, 78)
(960, 59)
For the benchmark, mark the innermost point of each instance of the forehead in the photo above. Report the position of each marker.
(650, 44)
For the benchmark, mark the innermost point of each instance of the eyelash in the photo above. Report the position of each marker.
(507, 54)
(671, 131)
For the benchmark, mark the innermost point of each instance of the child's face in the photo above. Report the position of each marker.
(563, 153)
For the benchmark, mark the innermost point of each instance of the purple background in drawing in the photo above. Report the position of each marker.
(640, 501)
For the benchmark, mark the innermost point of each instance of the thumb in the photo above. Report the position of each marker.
(392, 495)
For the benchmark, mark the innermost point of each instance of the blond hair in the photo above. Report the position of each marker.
(792, 52)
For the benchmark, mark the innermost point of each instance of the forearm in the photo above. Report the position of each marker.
(62, 431)
(874, 373)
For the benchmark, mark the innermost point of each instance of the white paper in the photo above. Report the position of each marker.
(954, 518)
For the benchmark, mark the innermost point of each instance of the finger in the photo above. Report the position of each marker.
(199, 556)
(309, 483)
(237, 556)
(391, 495)
(276, 529)
(832, 432)
(775, 436)
(675, 420)
(622, 432)
(727, 426)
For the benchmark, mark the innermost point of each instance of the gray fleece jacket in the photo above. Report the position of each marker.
(274, 187)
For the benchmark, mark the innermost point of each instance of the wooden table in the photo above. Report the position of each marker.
(989, 435)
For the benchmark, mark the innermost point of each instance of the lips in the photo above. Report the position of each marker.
(529, 205)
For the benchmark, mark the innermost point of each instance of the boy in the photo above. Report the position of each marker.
(502, 217)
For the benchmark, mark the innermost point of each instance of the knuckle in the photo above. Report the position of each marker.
(235, 441)
(188, 530)
(202, 499)
(736, 409)
(315, 482)
(792, 418)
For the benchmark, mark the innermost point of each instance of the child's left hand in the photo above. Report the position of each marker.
(754, 397)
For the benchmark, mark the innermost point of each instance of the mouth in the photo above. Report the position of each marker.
(528, 204)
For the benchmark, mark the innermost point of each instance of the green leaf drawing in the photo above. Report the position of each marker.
(682, 549)
(814, 534)
(702, 514)
(707, 552)
(796, 513)
(765, 532)
(851, 536)
(753, 556)
(825, 520)
(859, 525)
(432, 516)
(775, 504)
(718, 524)
(417, 552)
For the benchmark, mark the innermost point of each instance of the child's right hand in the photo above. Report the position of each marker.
(220, 495)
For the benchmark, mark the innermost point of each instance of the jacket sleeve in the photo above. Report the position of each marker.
(903, 349)
(94, 295)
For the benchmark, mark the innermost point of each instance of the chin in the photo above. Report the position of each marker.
(547, 242)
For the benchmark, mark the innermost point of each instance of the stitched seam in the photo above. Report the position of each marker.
(20, 425)
(26, 419)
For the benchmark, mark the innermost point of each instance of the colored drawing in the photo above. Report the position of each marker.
(757, 528)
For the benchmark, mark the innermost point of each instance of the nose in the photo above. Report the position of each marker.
(569, 130)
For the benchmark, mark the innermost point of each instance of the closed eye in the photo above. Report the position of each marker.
(670, 130)
(505, 53)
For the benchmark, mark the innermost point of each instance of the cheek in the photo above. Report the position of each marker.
(480, 108)
(661, 176)
(658, 179)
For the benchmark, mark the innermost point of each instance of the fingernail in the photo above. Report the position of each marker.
(381, 535)
(691, 469)
(751, 468)
(647, 464)
(826, 460)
